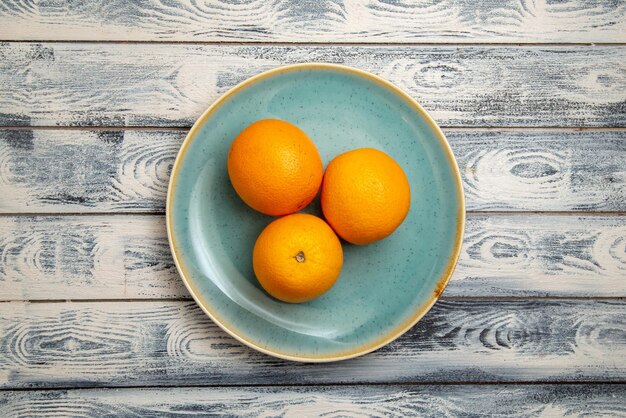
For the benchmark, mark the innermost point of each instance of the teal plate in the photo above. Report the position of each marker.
(385, 287)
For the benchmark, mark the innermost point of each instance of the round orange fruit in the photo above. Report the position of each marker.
(274, 167)
(365, 195)
(297, 258)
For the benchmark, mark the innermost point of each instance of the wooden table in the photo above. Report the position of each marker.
(96, 97)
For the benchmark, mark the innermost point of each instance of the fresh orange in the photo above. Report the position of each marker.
(297, 258)
(274, 167)
(365, 195)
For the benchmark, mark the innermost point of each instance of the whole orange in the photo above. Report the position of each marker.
(297, 258)
(274, 167)
(365, 195)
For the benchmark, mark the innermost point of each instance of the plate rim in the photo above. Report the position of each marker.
(443, 280)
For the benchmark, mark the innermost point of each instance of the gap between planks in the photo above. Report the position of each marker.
(330, 44)
(443, 299)
(304, 385)
(162, 213)
(447, 128)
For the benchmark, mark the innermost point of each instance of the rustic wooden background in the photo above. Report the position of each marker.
(96, 98)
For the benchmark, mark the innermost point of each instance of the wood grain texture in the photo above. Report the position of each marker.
(175, 343)
(171, 85)
(117, 257)
(542, 171)
(56, 171)
(541, 256)
(375, 21)
(559, 344)
(82, 257)
(81, 171)
(342, 401)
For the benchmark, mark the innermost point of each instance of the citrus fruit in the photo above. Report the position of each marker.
(297, 258)
(365, 195)
(274, 167)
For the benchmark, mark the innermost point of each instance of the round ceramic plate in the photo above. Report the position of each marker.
(385, 287)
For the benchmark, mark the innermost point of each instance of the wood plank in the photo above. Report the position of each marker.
(60, 171)
(542, 171)
(320, 21)
(173, 343)
(541, 256)
(172, 84)
(117, 257)
(314, 401)
(81, 171)
(108, 257)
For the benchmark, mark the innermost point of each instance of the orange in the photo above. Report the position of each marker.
(365, 195)
(274, 167)
(297, 258)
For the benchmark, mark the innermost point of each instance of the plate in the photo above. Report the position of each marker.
(385, 287)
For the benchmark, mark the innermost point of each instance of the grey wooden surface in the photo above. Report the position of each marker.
(96, 98)
(359, 401)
